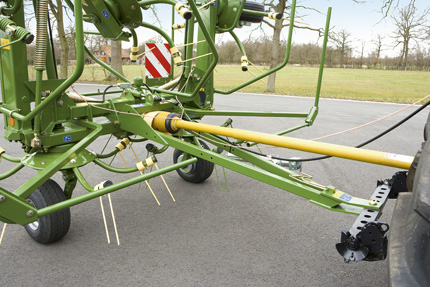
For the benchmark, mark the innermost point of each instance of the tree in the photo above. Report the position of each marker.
(363, 44)
(57, 11)
(342, 40)
(409, 26)
(390, 5)
(116, 58)
(281, 7)
(378, 48)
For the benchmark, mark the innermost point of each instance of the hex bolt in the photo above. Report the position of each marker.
(132, 7)
(373, 202)
(43, 163)
(2, 198)
(73, 161)
(60, 103)
(30, 213)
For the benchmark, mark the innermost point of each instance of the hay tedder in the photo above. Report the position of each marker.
(56, 126)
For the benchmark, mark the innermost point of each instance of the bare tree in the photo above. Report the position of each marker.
(378, 48)
(410, 25)
(57, 11)
(342, 40)
(363, 45)
(282, 6)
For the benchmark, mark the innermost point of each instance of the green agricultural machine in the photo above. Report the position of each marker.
(55, 128)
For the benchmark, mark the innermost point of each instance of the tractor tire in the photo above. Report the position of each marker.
(197, 172)
(427, 128)
(254, 6)
(409, 245)
(52, 227)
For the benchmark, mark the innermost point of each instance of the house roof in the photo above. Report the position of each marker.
(106, 48)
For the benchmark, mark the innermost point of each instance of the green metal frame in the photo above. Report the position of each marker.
(64, 149)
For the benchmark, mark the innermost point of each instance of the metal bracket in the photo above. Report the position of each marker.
(398, 184)
(366, 240)
(14, 209)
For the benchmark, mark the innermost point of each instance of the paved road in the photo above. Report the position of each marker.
(253, 235)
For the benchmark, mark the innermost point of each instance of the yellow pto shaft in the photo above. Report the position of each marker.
(168, 122)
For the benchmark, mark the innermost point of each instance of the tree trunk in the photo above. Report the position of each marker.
(342, 55)
(405, 63)
(64, 46)
(276, 45)
(402, 56)
(116, 58)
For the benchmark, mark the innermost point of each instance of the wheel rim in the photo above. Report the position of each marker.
(34, 225)
(189, 168)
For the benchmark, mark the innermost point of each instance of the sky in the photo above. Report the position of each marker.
(363, 21)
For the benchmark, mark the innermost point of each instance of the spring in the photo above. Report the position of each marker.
(20, 33)
(41, 35)
(4, 22)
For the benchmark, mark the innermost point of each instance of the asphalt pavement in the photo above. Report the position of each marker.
(246, 234)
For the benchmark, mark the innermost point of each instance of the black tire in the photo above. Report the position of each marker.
(52, 227)
(408, 250)
(427, 129)
(196, 172)
(255, 6)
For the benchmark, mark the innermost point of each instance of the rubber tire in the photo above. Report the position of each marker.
(201, 171)
(409, 252)
(255, 6)
(427, 129)
(54, 226)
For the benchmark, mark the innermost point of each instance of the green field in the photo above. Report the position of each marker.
(370, 85)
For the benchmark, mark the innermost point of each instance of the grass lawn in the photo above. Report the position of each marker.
(370, 85)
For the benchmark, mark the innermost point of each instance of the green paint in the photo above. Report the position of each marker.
(66, 128)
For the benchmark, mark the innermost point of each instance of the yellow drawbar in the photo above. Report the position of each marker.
(174, 123)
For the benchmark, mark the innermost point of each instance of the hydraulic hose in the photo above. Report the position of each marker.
(135, 47)
(12, 10)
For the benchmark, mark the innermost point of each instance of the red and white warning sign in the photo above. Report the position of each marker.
(157, 60)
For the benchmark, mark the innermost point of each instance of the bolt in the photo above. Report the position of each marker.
(36, 142)
(373, 202)
(60, 103)
(234, 9)
(352, 244)
(2, 198)
(73, 161)
(132, 7)
(30, 213)
(65, 177)
(10, 31)
(116, 123)
(43, 163)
